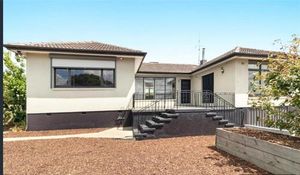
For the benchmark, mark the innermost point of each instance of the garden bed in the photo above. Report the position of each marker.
(276, 153)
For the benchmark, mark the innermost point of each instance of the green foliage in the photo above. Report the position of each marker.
(14, 91)
(282, 87)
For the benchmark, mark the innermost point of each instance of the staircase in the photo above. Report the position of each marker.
(222, 121)
(147, 130)
(153, 118)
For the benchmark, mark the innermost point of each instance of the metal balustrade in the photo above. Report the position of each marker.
(144, 107)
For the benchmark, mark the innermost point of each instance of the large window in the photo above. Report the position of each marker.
(255, 67)
(155, 88)
(84, 77)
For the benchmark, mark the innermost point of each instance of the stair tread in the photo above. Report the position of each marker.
(162, 119)
(229, 125)
(223, 121)
(145, 128)
(171, 111)
(141, 136)
(217, 117)
(211, 114)
(170, 115)
(154, 123)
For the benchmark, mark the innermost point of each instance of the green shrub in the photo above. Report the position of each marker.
(14, 91)
(282, 80)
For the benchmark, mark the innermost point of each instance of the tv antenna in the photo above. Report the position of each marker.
(199, 51)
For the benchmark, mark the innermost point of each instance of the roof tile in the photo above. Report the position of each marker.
(73, 46)
(166, 68)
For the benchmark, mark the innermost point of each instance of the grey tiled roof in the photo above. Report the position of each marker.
(87, 46)
(238, 51)
(156, 67)
(190, 68)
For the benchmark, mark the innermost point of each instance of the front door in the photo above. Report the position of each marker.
(208, 88)
(185, 91)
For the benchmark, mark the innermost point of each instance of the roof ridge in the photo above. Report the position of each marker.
(237, 49)
(256, 49)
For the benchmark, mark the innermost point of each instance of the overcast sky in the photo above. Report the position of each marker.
(167, 30)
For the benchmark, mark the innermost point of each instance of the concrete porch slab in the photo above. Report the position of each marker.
(114, 133)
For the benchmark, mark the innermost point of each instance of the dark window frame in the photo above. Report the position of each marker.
(258, 70)
(82, 68)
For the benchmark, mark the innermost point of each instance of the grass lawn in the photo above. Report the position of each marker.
(184, 155)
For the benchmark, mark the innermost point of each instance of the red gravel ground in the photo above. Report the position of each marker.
(184, 155)
(9, 134)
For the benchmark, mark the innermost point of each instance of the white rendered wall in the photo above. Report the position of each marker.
(233, 80)
(42, 98)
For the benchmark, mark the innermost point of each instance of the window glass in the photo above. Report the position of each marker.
(155, 88)
(139, 88)
(251, 75)
(264, 67)
(88, 78)
(159, 88)
(84, 77)
(170, 87)
(149, 88)
(62, 77)
(253, 66)
(108, 78)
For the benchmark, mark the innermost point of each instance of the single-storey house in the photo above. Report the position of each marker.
(89, 84)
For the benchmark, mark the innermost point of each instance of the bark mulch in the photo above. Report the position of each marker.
(290, 141)
(181, 155)
(10, 134)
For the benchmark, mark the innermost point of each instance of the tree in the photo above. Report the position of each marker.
(14, 91)
(282, 86)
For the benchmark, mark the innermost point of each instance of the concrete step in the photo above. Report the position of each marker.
(158, 119)
(223, 121)
(145, 129)
(153, 124)
(229, 125)
(217, 118)
(172, 111)
(211, 114)
(169, 115)
(143, 136)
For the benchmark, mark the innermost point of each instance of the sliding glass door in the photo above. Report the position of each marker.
(155, 88)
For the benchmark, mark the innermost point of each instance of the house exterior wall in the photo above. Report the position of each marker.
(241, 83)
(221, 81)
(233, 81)
(43, 98)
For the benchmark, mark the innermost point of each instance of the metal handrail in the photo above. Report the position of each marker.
(137, 114)
(146, 107)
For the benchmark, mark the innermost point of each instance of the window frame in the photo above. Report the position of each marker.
(70, 86)
(258, 70)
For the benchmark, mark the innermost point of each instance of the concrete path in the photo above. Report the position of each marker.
(115, 133)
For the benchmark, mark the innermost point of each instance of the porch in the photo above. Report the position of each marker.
(183, 113)
(183, 100)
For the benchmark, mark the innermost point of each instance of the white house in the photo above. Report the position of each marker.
(88, 84)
